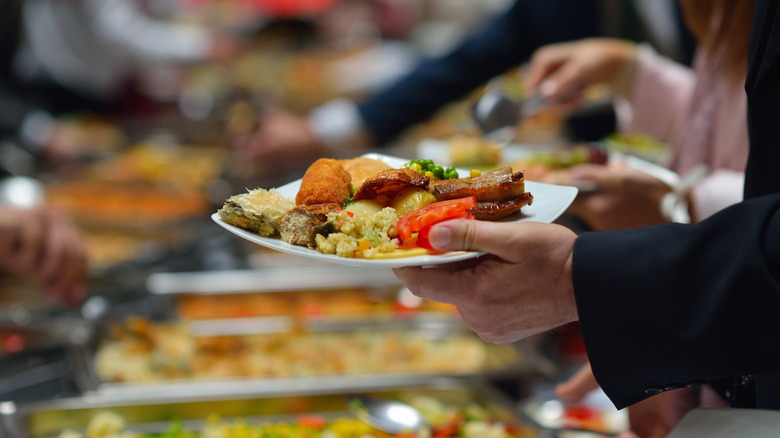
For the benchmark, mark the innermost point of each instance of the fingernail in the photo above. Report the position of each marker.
(441, 237)
(548, 88)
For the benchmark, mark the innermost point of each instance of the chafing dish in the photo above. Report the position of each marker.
(154, 413)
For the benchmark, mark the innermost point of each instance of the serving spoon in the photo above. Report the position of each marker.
(387, 415)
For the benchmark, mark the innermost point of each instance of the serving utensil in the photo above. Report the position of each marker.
(387, 415)
(497, 114)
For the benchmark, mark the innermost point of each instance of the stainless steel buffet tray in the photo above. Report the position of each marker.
(501, 361)
(270, 279)
(153, 413)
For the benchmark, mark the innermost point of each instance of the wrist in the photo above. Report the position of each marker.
(624, 77)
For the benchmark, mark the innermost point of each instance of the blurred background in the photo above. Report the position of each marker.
(121, 116)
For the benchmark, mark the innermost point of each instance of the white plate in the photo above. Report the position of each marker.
(550, 201)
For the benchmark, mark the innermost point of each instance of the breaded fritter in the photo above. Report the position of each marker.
(325, 182)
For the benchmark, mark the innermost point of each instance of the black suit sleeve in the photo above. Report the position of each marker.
(504, 43)
(675, 305)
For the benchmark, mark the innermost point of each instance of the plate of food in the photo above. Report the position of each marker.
(375, 210)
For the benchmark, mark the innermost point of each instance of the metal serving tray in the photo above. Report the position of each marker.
(502, 361)
(153, 413)
(270, 280)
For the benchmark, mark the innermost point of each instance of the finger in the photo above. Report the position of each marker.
(603, 176)
(565, 83)
(578, 386)
(433, 284)
(54, 256)
(72, 274)
(30, 245)
(470, 235)
(544, 62)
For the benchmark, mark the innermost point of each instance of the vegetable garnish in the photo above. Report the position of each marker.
(422, 218)
(431, 169)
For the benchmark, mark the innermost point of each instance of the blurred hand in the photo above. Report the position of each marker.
(653, 417)
(656, 416)
(561, 72)
(67, 143)
(625, 198)
(578, 386)
(281, 140)
(522, 287)
(42, 243)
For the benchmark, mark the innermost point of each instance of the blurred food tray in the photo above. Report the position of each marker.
(273, 279)
(143, 357)
(249, 406)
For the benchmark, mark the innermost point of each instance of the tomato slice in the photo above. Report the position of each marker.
(422, 237)
(433, 214)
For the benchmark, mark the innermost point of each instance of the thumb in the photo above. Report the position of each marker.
(473, 235)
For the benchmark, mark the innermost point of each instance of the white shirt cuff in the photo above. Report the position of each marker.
(720, 190)
(337, 123)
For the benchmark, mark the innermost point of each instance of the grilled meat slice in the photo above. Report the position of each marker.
(383, 187)
(297, 225)
(495, 186)
(492, 211)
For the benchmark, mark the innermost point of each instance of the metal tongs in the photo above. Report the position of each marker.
(497, 114)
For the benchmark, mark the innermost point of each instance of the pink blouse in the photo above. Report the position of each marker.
(661, 105)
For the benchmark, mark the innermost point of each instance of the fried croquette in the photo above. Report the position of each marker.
(325, 182)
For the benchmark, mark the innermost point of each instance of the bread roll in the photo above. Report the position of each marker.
(362, 168)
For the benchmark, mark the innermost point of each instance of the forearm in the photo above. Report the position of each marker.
(657, 99)
(674, 305)
(504, 43)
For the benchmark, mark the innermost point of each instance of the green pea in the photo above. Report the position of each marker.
(450, 173)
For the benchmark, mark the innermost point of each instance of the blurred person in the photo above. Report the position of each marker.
(80, 56)
(698, 111)
(43, 244)
(661, 308)
(342, 127)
